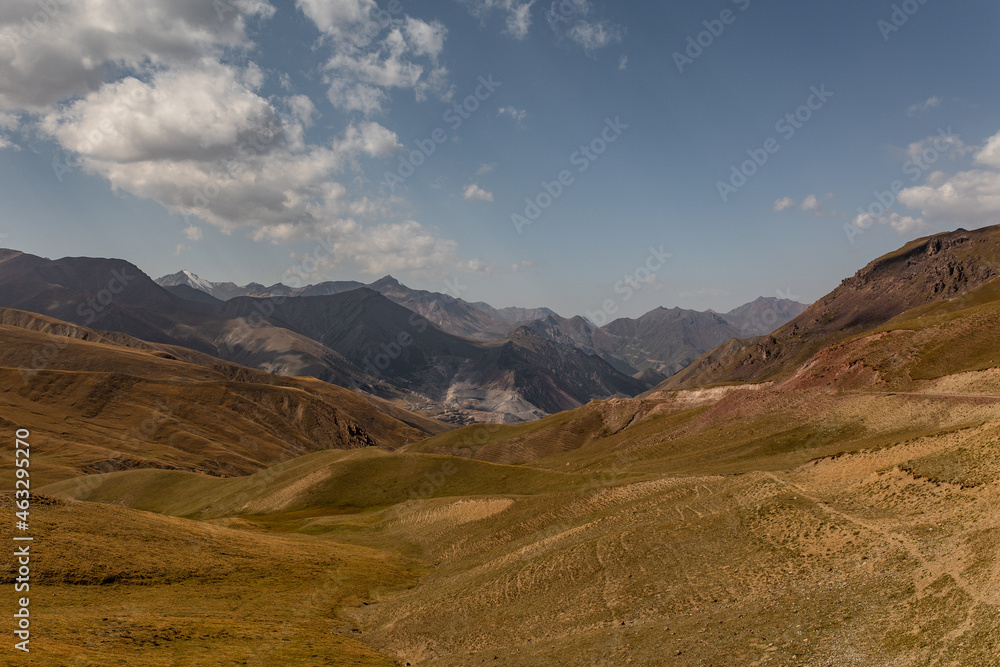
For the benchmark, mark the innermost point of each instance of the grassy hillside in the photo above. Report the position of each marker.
(843, 514)
(116, 586)
(756, 534)
(100, 405)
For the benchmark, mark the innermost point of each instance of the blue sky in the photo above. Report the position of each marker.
(251, 141)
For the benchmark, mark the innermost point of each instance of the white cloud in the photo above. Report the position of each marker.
(203, 143)
(400, 247)
(523, 264)
(518, 19)
(783, 204)
(623, 63)
(927, 104)
(932, 148)
(340, 17)
(968, 198)
(593, 36)
(9, 123)
(902, 225)
(486, 168)
(369, 139)
(182, 114)
(515, 114)
(570, 19)
(989, 154)
(349, 95)
(810, 203)
(425, 39)
(373, 54)
(473, 192)
(69, 54)
(145, 95)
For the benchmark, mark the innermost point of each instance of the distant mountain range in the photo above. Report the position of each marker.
(358, 339)
(424, 351)
(649, 348)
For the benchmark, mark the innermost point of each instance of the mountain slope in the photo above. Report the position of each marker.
(518, 377)
(99, 402)
(923, 271)
(667, 340)
(763, 315)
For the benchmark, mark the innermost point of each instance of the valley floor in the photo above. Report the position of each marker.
(862, 533)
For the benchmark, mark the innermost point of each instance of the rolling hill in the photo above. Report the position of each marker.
(842, 513)
(101, 402)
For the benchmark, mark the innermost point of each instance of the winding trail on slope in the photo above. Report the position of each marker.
(935, 569)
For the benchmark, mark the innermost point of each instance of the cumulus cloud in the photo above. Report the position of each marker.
(623, 63)
(341, 17)
(473, 192)
(71, 53)
(425, 39)
(518, 13)
(969, 198)
(486, 168)
(902, 225)
(149, 96)
(204, 143)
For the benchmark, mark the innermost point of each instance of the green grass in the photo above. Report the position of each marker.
(344, 481)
